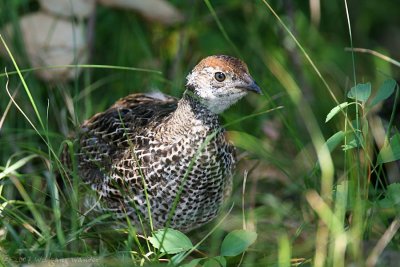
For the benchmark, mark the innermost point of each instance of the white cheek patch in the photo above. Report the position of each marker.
(216, 99)
(206, 93)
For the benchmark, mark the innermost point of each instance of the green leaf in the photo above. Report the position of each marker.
(221, 260)
(384, 92)
(335, 140)
(392, 197)
(193, 263)
(390, 152)
(173, 242)
(215, 262)
(237, 241)
(393, 192)
(335, 111)
(178, 258)
(360, 92)
(355, 140)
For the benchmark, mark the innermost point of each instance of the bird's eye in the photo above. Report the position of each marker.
(219, 76)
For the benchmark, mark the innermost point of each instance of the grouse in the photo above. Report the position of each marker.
(161, 161)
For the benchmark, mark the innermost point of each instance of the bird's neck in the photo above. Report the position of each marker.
(191, 112)
(190, 117)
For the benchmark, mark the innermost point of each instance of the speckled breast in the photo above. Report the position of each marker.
(197, 168)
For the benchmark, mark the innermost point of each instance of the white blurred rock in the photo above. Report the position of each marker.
(156, 10)
(51, 41)
(69, 8)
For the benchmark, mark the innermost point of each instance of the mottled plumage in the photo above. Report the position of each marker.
(157, 143)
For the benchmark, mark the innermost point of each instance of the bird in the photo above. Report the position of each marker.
(159, 161)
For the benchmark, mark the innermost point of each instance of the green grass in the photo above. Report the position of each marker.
(311, 202)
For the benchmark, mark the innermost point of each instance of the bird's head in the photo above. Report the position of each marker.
(220, 81)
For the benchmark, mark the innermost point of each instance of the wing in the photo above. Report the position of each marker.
(104, 138)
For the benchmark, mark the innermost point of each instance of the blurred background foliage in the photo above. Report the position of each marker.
(274, 147)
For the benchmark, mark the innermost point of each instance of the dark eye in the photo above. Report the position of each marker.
(219, 76)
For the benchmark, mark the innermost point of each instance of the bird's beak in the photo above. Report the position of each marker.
(250, 85)
(253, 87)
